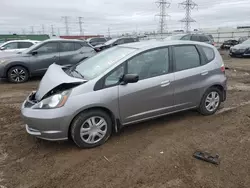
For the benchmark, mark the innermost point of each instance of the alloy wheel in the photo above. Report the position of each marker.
(18, 75)
(212, 101)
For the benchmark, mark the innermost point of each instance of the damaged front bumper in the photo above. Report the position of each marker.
(48, 124)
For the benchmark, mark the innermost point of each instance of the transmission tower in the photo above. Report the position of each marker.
(80, 25)
(66, 22)
(163, 5)
(188, 5)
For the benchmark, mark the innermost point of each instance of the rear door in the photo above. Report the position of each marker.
(188, 75)
(67, 51)
(152, 95)
(45, 55)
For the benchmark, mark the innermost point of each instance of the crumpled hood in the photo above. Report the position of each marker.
(241, 46)
(54, 77)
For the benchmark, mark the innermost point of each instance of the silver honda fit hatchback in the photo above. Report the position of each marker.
(123, 85)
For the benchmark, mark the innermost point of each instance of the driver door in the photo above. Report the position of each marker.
(152, 95)
(44, 56)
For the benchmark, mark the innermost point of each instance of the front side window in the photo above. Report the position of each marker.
(25, 44)
(128, 40)
(115, 76)
(150, 64)
(99, 63)
(47, 48)
(12, 45)
(186, 57)
(120, 41)
(67, 46)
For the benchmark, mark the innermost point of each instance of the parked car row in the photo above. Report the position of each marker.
(34, 61)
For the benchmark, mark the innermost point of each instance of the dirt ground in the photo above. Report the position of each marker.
(154, 154)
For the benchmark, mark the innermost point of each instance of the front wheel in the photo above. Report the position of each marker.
(91, 128)
(17, 74)
(211, 101)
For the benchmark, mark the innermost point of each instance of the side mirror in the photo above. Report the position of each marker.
(2, 48)
(129, 78)
(34, 52)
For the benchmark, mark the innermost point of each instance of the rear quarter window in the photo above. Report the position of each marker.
(209, 53)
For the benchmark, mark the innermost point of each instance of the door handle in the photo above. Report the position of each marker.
(203, 73)
(165, 83)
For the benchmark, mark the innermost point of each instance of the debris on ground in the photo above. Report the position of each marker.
(205, 156)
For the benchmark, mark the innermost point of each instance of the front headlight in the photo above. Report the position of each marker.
(242, 50)
(55, 101)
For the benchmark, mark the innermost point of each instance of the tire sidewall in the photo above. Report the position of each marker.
(80, 119)
(203, 108)
(17, 67)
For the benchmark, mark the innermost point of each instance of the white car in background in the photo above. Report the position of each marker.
(17, 45)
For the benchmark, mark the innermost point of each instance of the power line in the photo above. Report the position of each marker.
(188, 5)
(80, 25)
(163, 5)
(66, 22)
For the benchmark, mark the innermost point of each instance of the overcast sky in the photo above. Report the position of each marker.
(119, 15)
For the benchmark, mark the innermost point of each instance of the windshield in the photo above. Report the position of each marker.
(110, 41)
(94, 66)
(31, 48)
(174, 37)
(246, 42)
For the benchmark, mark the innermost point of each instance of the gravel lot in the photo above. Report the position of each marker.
(154, 154)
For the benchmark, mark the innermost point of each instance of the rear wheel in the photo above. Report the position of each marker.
(91, 128)
(211, 101)
(17, 74)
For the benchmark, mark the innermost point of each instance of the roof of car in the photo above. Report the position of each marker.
(60, 39)
(155, 44)
(27, 40)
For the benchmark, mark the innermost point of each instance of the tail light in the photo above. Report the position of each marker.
(213, 43)
(222, 68)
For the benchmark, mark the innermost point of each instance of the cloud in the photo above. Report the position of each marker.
(120, 16)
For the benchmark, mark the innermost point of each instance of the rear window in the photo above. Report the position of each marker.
(25, 44)
(195, 38)
(209, 53)
(204, 39)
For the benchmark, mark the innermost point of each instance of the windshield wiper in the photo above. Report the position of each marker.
(77, 73)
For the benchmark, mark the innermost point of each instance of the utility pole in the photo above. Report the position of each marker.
(32, 29)
(80, 25)
(58, 31)
(66, 22)
(52, 30)
(109, 32)
(188, 5)
(163, 5)
(43, 29)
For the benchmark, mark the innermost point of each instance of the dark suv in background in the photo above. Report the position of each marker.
(35, 60)
(114, 42)
(96, 41)
(192, 37)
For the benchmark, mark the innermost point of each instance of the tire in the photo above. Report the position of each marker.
(17, 74)
(204, 105)
(92, 134)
